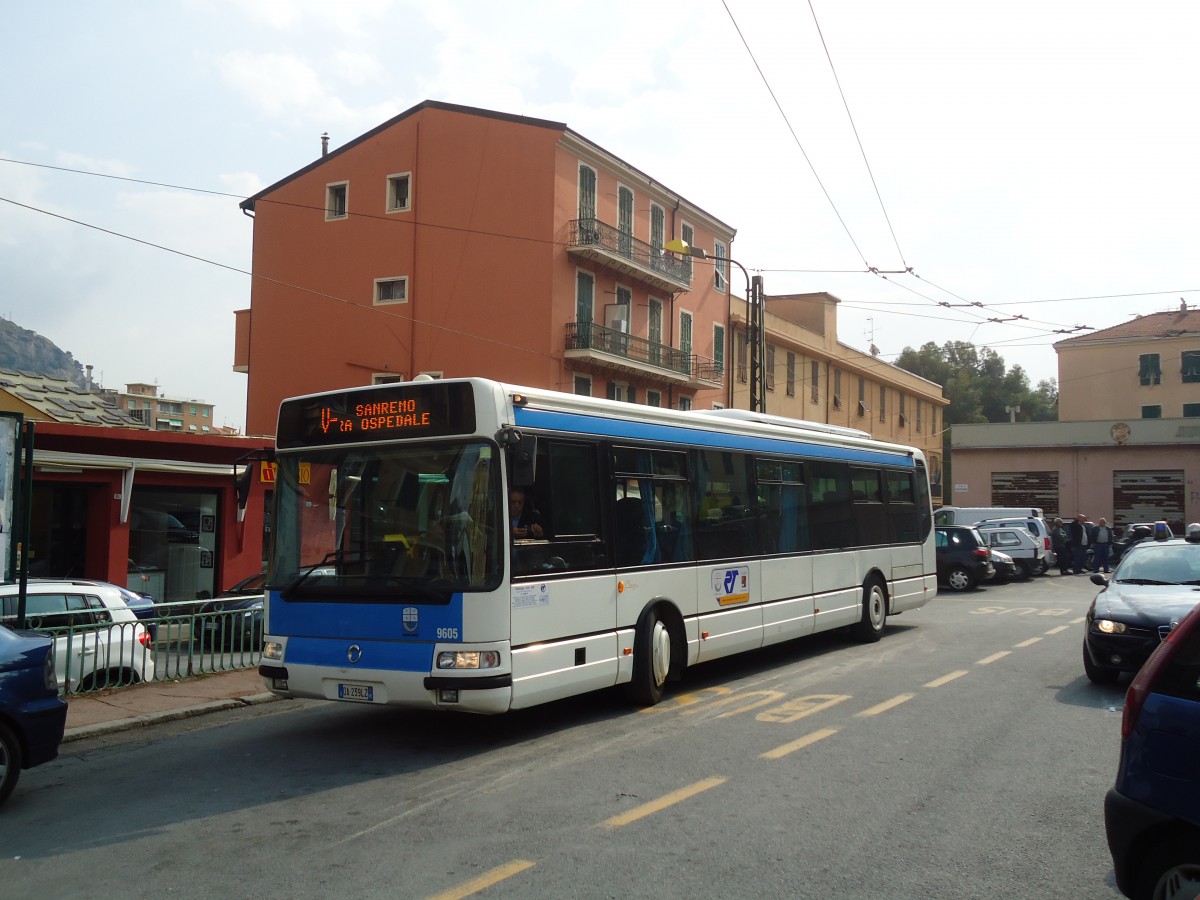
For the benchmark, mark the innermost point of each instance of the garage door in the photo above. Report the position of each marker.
(1149, 496)
(1013, 489)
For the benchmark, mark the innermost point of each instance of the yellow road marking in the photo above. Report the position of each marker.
(800, 744)
(884, 706)
(646, 809)
(945, 679)
(1028, 643)
(991, 659)
(486, 880)
(1059, 630)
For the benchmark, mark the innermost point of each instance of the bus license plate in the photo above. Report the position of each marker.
(356, 692)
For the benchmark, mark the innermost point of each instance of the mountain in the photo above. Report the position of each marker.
(28, 351)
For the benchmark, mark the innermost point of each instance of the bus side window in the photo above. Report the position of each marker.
(566, 494)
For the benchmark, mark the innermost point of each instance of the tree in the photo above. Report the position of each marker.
(978, 385)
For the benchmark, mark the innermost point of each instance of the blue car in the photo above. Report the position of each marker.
(32, 715)
(1152, 813)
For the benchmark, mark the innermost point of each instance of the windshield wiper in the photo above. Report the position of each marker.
(1145, 581)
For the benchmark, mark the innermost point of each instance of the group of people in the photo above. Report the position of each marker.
(1072, 540)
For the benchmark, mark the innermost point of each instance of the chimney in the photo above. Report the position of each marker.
(88, 383)
(325, 144)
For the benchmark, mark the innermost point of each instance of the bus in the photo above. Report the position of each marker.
(665, 539)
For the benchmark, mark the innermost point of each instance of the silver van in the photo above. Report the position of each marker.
(969, 515)
(1037, 528)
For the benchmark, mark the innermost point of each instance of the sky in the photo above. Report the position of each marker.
(943, 167)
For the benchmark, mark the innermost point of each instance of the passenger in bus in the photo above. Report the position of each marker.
(523, 517)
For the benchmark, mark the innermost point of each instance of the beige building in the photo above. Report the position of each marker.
(144, 403)
(1127, 443)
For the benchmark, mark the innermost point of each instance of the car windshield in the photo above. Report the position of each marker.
(1160, 564)
(388, 521)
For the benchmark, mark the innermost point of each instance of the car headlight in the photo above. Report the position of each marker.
(1108, 626)
(468, 659)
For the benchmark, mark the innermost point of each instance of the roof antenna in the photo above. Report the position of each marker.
(325, 144)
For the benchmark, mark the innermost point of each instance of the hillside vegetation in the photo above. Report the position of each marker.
(27, 351)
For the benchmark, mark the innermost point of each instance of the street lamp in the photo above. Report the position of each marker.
(756, 330)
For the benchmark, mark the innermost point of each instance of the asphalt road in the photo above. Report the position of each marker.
(963, 756)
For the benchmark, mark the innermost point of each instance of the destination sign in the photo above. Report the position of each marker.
(391, 412)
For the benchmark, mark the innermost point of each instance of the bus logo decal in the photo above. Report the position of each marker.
(409, 617)
(354, 653)
(731, 586)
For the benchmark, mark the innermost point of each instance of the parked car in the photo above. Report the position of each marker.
(1006, 568)
(963, 557)
(1152, 812)
(1154, 586)
(1040, 532)
(255, 584)
(1135, 534)
(98, 640)
(143, 605)
(32, 715)
(1025, 550)
(230, 623)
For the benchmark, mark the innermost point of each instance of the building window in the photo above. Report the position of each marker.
(685, 402)
(657, 229)
(685, 337)
(1149, 371)
(625, 220)
(654, 331)
(882, 403)
(587, 195)
(1190, 369)
(688, 234)
(837, 388)
(769, 374)
(399, 196)
(920, 403)
(582, 385)
(790, 374)
(720, 266)
(815, 379)
(387, 377)
(719, 349)
(739, 339)
(654, 398)
(1191, 410)
(903, 411)
(585, 293)
(336, 197)
(1151, 412)
(619, 390)
(391, 290)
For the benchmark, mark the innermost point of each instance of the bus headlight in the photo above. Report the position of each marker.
(1110, 627)
(468, 659)
(272, 650)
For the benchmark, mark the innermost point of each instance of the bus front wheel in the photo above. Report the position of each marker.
(874, 612)
(651, 661)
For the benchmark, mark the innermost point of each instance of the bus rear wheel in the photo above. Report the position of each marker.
(874, 612)
(651, 661)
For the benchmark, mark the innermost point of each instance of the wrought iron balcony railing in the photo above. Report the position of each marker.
(602, 236)
(609, 341)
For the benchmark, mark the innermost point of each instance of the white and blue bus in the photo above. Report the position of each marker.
(650, 540)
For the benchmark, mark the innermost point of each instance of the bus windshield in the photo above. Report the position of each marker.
(388, 522)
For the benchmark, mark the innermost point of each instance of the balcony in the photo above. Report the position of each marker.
(614, 249)
(608, 348)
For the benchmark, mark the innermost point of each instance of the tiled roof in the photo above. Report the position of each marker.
(1160, 324)
(61, 401)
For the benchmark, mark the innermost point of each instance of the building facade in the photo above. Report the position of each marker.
(1127, 445)
(146, 404)
(454, 241)
(115, 500)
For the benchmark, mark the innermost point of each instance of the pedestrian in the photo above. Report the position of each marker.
(1101, 545)
(1060, 543)
(1078, 532)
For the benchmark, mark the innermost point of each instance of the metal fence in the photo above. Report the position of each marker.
(180, 641)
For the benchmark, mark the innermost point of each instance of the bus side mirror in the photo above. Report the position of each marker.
(522, 461)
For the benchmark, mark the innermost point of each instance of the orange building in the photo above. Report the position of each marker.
(457, 241)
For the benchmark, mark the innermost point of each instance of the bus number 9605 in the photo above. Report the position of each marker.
(447, 634)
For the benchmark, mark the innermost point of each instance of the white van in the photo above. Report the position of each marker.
(969, 515)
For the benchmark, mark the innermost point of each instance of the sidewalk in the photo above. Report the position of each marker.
(120, 709)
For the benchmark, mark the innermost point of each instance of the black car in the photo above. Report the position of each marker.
(32, 715)
(1135, 534)
(963, 557)
(1154, 586)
